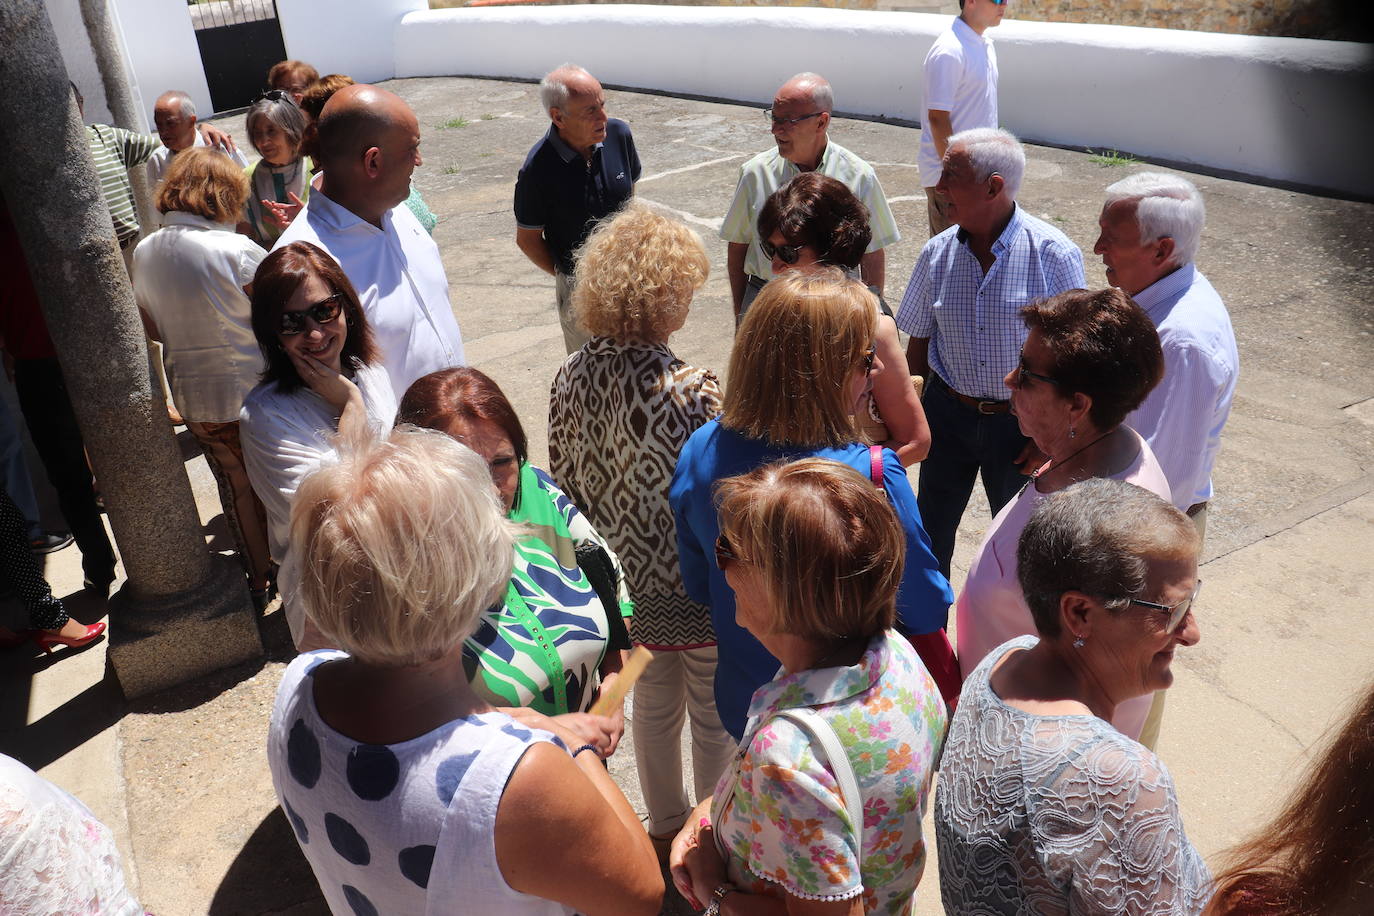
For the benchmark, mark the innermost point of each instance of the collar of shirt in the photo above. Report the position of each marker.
(565, 152)
(818, 687)
(1165, 292)
(340, 219)
(1002, 244)
(966, 33)
(194, 220)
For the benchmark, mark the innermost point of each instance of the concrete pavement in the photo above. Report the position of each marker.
(181, 777)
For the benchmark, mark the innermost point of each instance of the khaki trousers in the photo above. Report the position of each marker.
(242, 509)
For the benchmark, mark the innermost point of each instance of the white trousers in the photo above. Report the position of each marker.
(677, 683)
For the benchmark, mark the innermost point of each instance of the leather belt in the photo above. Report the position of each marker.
(981, 405)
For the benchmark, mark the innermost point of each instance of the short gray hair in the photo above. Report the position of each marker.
(822, 94)
(1097, 537)
(994, 151)
(282, 112)
(553, 89)
(402, 544)
(185, 107)
(1169, 206)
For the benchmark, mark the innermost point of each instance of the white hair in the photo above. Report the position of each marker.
(402, 544)
(553, 88)
(1167, 206)
(185, 107)
(822, 95)
(993, 151)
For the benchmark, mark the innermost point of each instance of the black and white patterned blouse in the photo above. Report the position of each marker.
(618, 416)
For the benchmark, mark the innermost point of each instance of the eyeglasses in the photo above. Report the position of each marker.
(1176, 611)
(788, 254)
(725, 553)
(322, 312)
(788, 122)
(1023, 373)
(870, 355)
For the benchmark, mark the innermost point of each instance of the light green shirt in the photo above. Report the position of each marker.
(115, 151)
(768, 171)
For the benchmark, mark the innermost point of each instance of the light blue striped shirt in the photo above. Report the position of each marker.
(973, 320)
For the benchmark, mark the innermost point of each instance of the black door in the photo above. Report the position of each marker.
(239, 42)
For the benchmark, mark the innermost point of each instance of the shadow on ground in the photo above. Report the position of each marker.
(269, 875)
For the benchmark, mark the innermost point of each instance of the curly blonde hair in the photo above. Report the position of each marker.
(636, 275)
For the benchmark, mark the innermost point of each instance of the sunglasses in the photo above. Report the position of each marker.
(788, 122)
(276, 95)
(1023, 373)
(322, 312)
(788, 254)
(870, 355)
(725, 553)
(1176, 611)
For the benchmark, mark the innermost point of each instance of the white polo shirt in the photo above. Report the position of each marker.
(400, 281)
(960, 77)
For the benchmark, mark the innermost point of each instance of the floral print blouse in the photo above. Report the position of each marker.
(780, 819)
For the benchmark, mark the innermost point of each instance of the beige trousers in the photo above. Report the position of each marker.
(677, 683)
(573, 335)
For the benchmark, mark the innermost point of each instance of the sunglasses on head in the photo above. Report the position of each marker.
(788, 254)
(322, 312)
(275, 95)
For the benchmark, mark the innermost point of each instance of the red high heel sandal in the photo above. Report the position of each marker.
(48, 641)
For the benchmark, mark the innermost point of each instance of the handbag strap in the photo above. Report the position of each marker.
(838, 763)
(875, 466)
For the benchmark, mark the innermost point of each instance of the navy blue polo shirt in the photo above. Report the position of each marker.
(560, 192)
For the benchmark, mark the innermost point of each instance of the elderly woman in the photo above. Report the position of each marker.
(803, 358)
(1089, 360)
(1042, 806)
(276, 127)
(192, 280)
(292, 77)
(407, 791)
(814, 219)
(622, 408)
(821, 810)
(323, 375)
(555, 642)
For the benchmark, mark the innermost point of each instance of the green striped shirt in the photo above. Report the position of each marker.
(115, 151)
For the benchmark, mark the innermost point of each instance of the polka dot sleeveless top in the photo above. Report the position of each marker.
(398, 828)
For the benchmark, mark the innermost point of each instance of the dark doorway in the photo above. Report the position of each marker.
(239, 41)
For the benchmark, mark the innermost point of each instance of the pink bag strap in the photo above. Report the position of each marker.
(875, 466)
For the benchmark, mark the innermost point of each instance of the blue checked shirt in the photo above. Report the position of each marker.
(974, 321)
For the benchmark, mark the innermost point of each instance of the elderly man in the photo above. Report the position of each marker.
(174, 116)
(369, 144)
(1150, 226)
(582, 170)
(962, 310)
(800, 117)
(959, 92)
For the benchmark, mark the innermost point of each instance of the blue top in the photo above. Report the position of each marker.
(715, 452)
(560, 192)
(973, 319)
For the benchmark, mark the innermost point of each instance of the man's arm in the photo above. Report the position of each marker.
(918, 357)
(735, 253)
(941, 129)
(531, 242)
(873, 269)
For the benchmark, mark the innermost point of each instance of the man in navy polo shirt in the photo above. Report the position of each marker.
(583, 169)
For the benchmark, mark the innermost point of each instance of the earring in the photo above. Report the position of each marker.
(1073, 433)
(1079, 643)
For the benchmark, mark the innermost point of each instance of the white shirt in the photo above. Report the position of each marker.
(400, 281)
(1183, 417)
(960, 77)
(189, 277)
(285, 436)
(158, 163)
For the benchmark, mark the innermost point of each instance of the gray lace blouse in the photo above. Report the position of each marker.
(1056, 814)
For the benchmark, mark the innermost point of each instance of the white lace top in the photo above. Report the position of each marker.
(55, 857)
(1056, 814)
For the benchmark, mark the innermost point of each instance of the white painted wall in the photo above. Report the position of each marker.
(355, 37)
(161, 49)
(1281, 108)
(79, 58)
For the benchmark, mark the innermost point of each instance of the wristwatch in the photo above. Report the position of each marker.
(717, 895)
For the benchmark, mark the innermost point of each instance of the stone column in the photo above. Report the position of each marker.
(183, 612)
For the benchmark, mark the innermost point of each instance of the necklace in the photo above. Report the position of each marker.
(1074, 454)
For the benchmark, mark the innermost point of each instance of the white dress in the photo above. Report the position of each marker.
(1057, 815)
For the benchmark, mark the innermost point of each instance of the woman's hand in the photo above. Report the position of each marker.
(618, 716)
(574, 728)
(281, 215)
(686, 860)
(335, 387)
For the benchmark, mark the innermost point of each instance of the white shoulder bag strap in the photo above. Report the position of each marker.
(840, 767)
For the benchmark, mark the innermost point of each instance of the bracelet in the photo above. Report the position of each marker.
(585, 747)
(717, 895)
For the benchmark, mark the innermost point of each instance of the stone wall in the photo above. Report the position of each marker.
(1336, 19)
